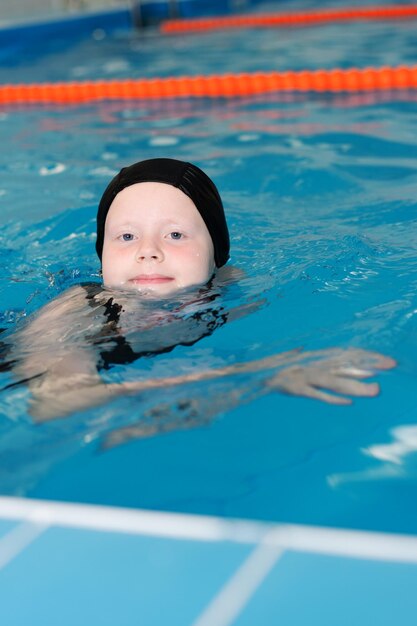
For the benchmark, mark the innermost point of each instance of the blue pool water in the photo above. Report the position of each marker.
(320, 193)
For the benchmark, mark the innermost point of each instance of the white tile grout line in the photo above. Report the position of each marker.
(229, 603)
(19, 538)
(330, 541)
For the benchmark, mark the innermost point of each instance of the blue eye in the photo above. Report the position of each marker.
(127, 236)
(176, 235)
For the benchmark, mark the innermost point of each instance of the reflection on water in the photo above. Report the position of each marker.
(404, 443)
(393, 457)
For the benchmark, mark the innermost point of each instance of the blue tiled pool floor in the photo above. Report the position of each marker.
(76, 564)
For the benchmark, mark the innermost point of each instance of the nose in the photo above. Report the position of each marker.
(148, 249)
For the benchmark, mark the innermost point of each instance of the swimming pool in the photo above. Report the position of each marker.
(320, 192)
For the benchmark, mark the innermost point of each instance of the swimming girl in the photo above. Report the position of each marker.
(163, 243)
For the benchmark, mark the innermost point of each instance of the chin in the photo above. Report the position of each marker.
(152, 290)
(156, 290)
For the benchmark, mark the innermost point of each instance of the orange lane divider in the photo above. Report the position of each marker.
(289, 19)
(226, 86)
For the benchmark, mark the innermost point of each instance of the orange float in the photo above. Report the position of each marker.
(217, 86)
(305, 18)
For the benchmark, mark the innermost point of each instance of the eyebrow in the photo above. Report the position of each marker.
(130, 224)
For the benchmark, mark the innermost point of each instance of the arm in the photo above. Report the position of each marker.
(336, 370)
(65, 389)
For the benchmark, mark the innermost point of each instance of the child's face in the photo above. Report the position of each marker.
(155, 240)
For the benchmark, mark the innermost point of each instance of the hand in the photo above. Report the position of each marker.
(336, 370)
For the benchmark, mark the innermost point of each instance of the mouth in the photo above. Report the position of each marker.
(151, 279)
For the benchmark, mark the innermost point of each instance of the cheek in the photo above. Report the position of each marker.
(111, 264)
(206, 258)
(197, 261)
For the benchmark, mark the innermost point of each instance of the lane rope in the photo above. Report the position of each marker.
(305, 18)
(216, 86)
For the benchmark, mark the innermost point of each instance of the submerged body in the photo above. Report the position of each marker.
(61, 353)
(87, 329)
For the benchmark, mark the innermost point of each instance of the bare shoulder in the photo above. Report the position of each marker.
(228, 274)
(67, 306)
(75, 295)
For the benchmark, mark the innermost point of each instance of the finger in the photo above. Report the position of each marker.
(318, 394)
(353, 357)
(381, 362)
(369, 359)
(351, 387)
(386, 363)
(295, 387)
(354, 372)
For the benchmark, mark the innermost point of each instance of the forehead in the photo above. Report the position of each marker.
(152, 200)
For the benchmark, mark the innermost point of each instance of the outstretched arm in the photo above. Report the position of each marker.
(64, 390)
(306, 374)
(303, 373)
(336, 370)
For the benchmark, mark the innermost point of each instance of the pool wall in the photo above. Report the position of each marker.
(61, 28)
(153, 11)
(46, 17)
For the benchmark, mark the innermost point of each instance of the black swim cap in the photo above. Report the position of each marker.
(189, 179)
